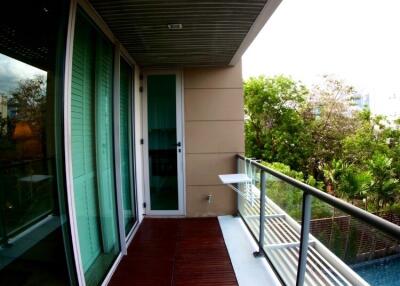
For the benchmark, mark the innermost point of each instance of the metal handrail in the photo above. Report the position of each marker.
(371, 219)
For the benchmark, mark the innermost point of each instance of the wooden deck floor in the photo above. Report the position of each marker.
(180, 252)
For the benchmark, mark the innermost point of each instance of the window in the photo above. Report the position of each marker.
(34, 232)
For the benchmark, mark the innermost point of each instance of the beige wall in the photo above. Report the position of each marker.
(214, 134)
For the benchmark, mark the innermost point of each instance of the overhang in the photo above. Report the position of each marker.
(209, 33)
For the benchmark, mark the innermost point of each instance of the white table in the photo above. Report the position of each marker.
(228, 179)
(35, 178)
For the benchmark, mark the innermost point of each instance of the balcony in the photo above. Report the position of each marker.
(300, 236)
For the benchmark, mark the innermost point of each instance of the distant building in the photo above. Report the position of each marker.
(358, 103)
(3, 106)
(361, 102)
(393, 105)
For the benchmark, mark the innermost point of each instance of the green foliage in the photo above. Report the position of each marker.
(347, 180)
(395, 208)
(288, 197)
(318, 137)
(285, 169)
(368, 139)
(330, 121)
(275, 130)
(383, 185)
(298, 175)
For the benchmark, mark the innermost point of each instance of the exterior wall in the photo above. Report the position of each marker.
(214, 134)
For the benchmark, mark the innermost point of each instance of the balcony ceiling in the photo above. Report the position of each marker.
(212, 31)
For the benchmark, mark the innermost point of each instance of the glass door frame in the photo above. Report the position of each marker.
(180, 138)
(132, 148)
(68, 143)
(118, 57)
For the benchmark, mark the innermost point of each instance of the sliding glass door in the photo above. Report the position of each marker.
(126, 146)
(92, 150)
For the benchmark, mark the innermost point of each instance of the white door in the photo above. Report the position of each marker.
(163, 143)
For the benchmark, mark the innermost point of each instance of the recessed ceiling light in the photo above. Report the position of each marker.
(175, 26)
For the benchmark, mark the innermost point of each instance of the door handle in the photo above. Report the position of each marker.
(178, 144)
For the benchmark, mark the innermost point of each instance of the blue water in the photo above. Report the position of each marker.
(380, 272)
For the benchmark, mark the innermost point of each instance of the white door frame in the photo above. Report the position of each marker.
(180, 138)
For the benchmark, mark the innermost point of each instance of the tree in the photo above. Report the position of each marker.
(346, 180)
(29, 100)
(369, 138)
(384, 186)
(331, 103)
(290, 198)
(275, 130)
(374, 148)
(319, 137)
(393, 142)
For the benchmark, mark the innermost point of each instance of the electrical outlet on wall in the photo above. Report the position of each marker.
(209, 198)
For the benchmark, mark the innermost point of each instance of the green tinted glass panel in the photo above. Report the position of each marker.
(161, 101)
(92, 151)
(126, 131)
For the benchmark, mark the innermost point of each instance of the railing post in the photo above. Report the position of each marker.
(236, 214)
(263, 180)
(305, 230)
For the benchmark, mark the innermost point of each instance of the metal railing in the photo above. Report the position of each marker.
(26, 195)
(276, 230)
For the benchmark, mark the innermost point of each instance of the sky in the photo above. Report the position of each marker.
(357, 41)
(12, 71)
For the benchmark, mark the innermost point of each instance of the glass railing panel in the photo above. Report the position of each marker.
(283, 211)
(284, 196)
(249, 197)
(339, 249)
(350, 250)
(27, 197)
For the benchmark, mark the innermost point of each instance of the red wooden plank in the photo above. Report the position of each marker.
(176, 252)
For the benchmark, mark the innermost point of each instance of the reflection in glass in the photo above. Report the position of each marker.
(126, 133)
(26, 170)
(161, 102)
(34, 237)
